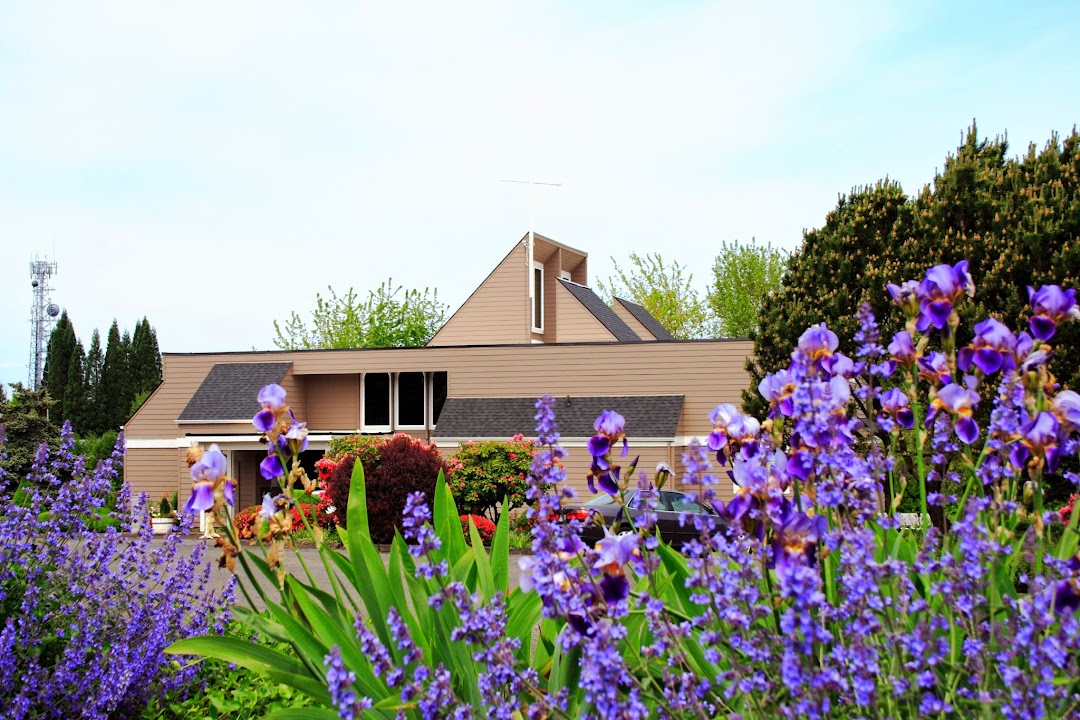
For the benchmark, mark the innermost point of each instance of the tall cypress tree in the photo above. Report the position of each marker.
(57, 360)
(74, 407)
(92, 369)
(113, 398)
(145, 358)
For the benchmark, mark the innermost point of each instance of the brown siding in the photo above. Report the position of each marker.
(497, 312)
(333, 402)
(156, 472)
(705, 373)
(576, 323)
(246, 474)
(551, 287)
(627, 317)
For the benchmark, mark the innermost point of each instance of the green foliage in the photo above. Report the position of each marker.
(310, 620)
(144, 360)
(387, 318)
(116, 392)
(482, 475)
(1016, 220)
(58, 354)
(26, 423)
(233, 693)
(743, 276)
(73, 406)
(666, 291)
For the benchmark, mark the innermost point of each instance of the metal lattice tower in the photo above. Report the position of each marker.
(42, 316)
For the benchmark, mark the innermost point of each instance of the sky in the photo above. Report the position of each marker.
(212, 165)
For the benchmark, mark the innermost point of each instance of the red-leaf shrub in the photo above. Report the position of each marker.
(393, 467)
(485, 527)
(337, 477)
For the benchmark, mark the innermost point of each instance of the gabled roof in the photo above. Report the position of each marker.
(229, 391)
(601, 312)
(644, 317)
(647, 416)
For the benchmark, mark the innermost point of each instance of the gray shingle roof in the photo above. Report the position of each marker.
(647, 416)
(601, 312)
(646, 318)
(229, 391)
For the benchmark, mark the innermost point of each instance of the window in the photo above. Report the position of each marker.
(376, 402)
(538, 297)
(438, 395)
(411, 408)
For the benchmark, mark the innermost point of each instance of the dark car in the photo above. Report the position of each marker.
(671, 505)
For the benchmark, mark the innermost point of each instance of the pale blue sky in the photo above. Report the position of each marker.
(214, 164)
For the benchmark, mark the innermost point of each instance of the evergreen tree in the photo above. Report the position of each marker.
(114, 398)
(25, 419)
(74, 407)
(58, 359)
(145, 358)
(92, 369)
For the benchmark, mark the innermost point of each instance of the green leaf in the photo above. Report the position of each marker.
(257, 658)
(483, 566)
(447, 521)
(500, 551)
(369, 578)
(675, 565)
(523, 613)
(307, 713)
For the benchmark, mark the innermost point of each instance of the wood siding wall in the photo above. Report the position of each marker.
(628, 317)
(576, 323)
(157, 472)
(333, 402)
(497, 312)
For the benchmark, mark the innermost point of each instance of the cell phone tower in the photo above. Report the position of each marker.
(42, 316)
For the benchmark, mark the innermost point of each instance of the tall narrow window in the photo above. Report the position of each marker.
(438, 395)
(538, 297)
(411, 408)
(376, 402)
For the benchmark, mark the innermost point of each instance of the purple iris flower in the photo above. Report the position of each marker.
(906, 295)
(935, 368)
(993, 347)
(1066, 406)
(272, 400)
(839, 365)
(268, 508)
(610, 423)
(205, 473)
(1038, 436)
(903, 349)
(296, 436)
(796, 537)
(959, 402)
(271, 467)
(1067, 591)
(818, 342)
(894, 403)
(722, 415)
(939, 291)
(777, 389)
(1051, 305)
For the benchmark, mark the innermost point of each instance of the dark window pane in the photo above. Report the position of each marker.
(411, 399)
(538, 297)
(377, 399)
(438, 395)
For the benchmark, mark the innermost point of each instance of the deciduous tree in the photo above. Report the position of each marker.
(743, 276)
(665, 290)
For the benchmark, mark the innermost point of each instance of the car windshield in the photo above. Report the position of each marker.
(603, 499)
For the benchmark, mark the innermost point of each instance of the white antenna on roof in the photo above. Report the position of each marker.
(532, 184)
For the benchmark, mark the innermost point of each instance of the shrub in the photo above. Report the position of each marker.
(85, 616)
(483, 474)
(485, 527)
(334, 479)
(405, 466)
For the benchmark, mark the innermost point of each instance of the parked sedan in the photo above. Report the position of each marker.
(671, 505)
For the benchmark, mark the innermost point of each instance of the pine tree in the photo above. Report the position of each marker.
(26, 423)
(92, 369)
(58, 359)
(74, 407)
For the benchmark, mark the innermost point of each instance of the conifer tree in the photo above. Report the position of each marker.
(145, 358)
(92, 369)
(74, 407)
(57, 360)
(114, 398)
